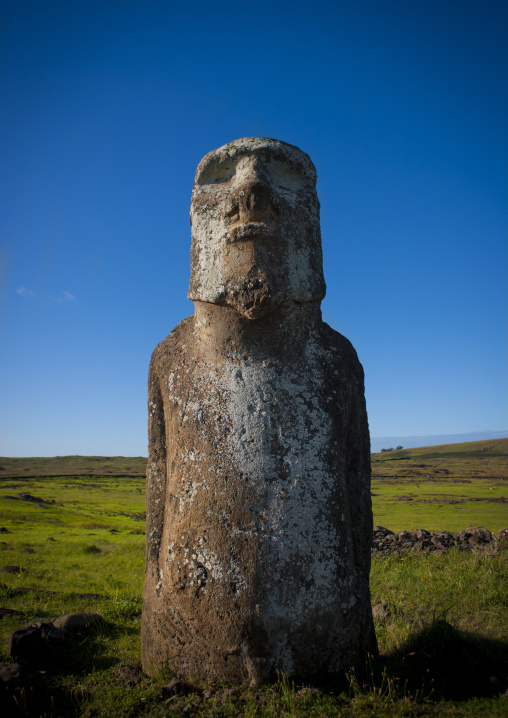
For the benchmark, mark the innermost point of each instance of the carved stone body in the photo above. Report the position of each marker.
(259, 521)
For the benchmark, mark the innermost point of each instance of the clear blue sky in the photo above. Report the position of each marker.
(107, 107)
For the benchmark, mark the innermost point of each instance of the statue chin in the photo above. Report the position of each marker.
(254, 298)
(253, 308)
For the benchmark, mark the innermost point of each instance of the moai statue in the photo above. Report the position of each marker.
(259, 519)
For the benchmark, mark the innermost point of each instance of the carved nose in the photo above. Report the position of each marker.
(255, 199)
(251, 201)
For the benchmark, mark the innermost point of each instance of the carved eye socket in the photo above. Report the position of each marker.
(217, 172)
(287, 177)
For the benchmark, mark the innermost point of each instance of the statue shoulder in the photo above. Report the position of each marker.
(171, 350)
(343, 350)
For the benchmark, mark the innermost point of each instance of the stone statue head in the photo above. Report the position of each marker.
(256, 241)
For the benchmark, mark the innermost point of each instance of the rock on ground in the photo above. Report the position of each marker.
(386, 542)
(77, 621)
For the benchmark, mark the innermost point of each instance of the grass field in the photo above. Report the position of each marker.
(446, 487)
(80, 546)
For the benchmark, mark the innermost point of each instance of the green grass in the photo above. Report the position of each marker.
(442, 488)
(446, 637)
(72, 466)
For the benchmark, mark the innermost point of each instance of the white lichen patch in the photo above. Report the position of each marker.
(211, 562)
(277, 423)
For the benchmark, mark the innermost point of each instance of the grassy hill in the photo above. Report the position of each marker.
(488, 457)
(29, 467)
(450, 487)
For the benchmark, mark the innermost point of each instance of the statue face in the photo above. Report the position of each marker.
(256, 243)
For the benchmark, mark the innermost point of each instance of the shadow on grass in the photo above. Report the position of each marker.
(440, 663)
(54, 685)
(85, 652)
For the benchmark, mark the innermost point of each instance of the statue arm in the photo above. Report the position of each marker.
(359, 475)
(156, 471)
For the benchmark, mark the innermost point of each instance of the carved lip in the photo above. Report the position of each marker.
(252, 230)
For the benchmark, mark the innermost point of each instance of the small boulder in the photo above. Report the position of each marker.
(423, 534)
(26, 644)
(463, 536)
(502, 537)
(14, 681)
(405, 536)
(77, 621)
(382, 530)
(484, 536)
(381, 611)
(49, 630)
(12, 675)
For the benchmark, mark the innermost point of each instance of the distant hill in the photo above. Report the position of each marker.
(445, 462)
(28, 467)
(471, 449)
(410, 442)
(496, 450)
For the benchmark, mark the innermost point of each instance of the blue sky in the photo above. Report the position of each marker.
(107, 107)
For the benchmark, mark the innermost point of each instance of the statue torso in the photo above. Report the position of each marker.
(256, 468)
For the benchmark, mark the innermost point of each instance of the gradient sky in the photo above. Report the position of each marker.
(107, 107)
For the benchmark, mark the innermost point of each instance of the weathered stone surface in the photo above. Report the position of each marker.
(77, 621)
(259, 521)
